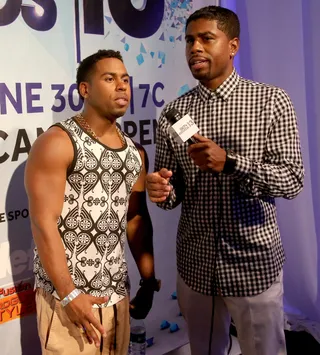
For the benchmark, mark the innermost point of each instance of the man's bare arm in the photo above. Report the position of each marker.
(139, 233)
(139, 228)
(45, 180)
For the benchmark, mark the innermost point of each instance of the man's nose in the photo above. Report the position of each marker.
(121, 85)
(196, 47)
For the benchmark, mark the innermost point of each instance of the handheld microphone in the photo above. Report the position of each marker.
(182, 128)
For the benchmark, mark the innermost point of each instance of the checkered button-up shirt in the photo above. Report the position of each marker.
(228, 240)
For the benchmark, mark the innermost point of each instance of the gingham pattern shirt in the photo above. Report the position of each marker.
(233, 217)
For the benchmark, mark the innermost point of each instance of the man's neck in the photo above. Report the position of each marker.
(216, 82)
(100, 125)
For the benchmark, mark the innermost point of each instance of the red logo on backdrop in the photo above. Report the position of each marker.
(17, 301)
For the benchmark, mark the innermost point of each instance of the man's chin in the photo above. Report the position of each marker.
(119, 112)
(201, 76)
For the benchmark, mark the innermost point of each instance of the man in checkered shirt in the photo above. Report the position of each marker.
(247, 154)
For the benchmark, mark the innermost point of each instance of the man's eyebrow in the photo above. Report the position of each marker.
(200, 34)
(114, 74)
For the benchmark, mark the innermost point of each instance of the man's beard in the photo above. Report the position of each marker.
(202, 76)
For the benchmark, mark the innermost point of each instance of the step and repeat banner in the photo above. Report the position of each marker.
(41, 44)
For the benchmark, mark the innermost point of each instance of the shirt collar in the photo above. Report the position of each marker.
(223, 91)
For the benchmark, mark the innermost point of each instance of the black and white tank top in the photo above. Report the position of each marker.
(93, 221)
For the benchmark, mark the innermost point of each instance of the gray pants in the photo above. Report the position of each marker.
(259, 321)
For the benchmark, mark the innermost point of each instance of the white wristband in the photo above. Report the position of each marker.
(71, 296)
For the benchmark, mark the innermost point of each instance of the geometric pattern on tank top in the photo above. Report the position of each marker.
(93, 221)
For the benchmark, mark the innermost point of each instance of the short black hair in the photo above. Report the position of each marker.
(227, 20)
(87, 65)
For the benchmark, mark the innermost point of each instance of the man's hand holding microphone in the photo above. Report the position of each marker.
(205, 153)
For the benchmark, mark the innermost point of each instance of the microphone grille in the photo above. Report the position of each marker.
(173, 115)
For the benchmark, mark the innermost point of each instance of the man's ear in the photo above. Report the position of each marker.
(83, 89)
(234, 45)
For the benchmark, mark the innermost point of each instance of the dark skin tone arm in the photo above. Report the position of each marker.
(139, 227)
(139, 233)
(45, 179)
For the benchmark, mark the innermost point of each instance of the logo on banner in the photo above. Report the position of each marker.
(41, 15)
(17, 301)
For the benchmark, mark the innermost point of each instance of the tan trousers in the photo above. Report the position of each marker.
(59, 336)
(259, 321)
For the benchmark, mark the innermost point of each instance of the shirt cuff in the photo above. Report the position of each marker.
(242, 168)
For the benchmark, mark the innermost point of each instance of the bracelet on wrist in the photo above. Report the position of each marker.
(70, 297)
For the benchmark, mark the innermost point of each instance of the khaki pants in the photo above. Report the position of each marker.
(59, 336)
(258, 319)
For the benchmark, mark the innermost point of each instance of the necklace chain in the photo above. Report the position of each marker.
(84, 124)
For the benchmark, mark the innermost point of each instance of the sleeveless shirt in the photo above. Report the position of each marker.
(93, 222)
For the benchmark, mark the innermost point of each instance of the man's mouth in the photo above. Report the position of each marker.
(122, 101)
(197, 64)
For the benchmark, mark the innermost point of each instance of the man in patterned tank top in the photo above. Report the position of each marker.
(85, 184)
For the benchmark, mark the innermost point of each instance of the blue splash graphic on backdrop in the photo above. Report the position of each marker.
(171, 31)
(184, 89)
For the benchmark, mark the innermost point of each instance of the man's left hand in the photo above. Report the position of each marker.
(142, 303)
(207, 155)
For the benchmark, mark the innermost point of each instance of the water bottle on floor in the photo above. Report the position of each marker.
(138, 343)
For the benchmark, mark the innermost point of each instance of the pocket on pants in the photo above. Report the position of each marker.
(51, 340)
(46, 316)
(62, 331)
